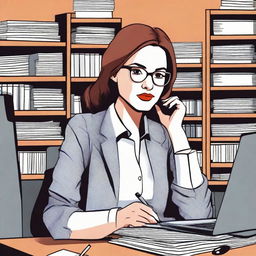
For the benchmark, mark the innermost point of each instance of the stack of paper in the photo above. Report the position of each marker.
(188, 80)
(166, 242)
(46, 64)
(226, 130)
(76, 106)
(14, 65)
(92, 35)
(239, 5)
(233, 79)
(188, 52)
(29, 30)
(220, 176)
(234, 27)
(193, 107)
(234, 105)
(223, 152)
(47, 99)
(238, 53)
(48, 130)
(94, 8)
(193, 130)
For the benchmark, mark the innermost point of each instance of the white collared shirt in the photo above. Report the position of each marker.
(136, 172)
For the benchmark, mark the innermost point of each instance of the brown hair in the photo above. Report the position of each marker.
(128, 41)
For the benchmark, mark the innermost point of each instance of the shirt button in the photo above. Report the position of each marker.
(139, 178)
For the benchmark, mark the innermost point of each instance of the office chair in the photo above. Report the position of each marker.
(10, 185)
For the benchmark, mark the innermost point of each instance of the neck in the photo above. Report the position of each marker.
(122, 107)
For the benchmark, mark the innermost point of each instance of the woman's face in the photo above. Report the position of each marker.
(142, 95)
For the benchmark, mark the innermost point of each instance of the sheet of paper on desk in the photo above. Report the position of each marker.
(168, 242)
(63, 253)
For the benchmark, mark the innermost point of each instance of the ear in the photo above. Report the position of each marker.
(114, 78)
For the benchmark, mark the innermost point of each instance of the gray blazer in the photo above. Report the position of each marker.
(89, 156)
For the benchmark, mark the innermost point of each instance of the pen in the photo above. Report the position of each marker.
(86, 249)
(141, 198)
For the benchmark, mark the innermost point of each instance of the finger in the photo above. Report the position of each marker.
(148, 210)
(137, 224)
(170, 98)
(146, 218)
(170, 105)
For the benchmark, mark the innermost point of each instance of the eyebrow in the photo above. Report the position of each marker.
(142, 66)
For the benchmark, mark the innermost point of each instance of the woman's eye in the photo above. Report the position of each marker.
(159, 75)
(136, 71)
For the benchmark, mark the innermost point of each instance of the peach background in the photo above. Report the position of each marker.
(183, 20)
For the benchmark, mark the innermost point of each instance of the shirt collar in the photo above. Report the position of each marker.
(121, 131)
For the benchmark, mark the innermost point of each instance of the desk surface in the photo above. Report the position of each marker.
(42, 246)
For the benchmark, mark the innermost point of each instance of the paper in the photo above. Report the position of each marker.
(63, 253)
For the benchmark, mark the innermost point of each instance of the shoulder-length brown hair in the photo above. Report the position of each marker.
(128, 41)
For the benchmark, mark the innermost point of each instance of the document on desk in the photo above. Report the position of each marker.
(64, 253)
(168, 242)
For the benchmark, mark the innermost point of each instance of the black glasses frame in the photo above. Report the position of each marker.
(148, 74)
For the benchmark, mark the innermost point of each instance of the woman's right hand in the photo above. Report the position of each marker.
(135, 215)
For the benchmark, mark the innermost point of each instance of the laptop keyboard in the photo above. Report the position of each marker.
(204, 225)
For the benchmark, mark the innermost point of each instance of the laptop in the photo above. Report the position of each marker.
(237, 215)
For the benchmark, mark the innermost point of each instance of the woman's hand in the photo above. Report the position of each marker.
(174, 120)
(135, 215)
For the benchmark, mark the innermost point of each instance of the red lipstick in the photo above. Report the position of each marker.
(145, 96)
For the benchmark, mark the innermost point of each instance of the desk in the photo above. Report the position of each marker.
(42, 246)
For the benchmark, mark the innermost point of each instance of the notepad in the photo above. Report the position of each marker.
(63, 253)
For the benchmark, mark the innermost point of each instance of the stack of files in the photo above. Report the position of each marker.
(14, 65)
(193, 107)
(29, 30)
(193, 130)
(92, 35)
(94, 8)
(234, 27)
(46, 64)
(76, 106)
(188, 80)
(167, 242)
(85, 64)
(233, 79)
(223, 152)
(220, 176)
(21, 95)
(47, 99)
(234, 105)
(238, 5)
(200, 157)
(48, 130)
(227, 130)
(32, 162)
(239, 53)
(188, 52)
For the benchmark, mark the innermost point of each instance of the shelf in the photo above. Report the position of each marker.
(89, 46)
(227, 115)
(186, 89)
(221, 165)
(32, 176)
(235, 65)
(232, 12)
(217, 182)
(189, 65)
(39, 113)
(233, 37)
(40, 142)
(32, 44)
(225, 139)
(195, 139)
(192, 118)
(95, 20)
(233, 88)
(83, 79)
(32, 78)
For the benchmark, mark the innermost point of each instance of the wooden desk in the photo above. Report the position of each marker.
(42, 246)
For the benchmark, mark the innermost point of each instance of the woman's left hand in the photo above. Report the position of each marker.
(174, 120)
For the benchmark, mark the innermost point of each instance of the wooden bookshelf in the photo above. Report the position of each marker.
(217, 182)
(32, 176)
(23, 79)
(83, 79)
(23, 143)
(221, 165)
(189, 65)
(224, 139)
(233, 88)
(8, 43)
(187, 89)
(39, 113)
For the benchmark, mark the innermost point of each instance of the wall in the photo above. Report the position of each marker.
(183, 20)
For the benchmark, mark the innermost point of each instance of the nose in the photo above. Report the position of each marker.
(148, 83)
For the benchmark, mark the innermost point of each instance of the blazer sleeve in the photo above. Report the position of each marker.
(64, 192)
(192, 203)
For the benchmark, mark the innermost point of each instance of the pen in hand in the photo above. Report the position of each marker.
(86, 249)
(142, 200)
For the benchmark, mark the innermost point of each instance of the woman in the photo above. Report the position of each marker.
(115, 151)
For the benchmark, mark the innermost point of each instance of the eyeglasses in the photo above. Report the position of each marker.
(138, 75)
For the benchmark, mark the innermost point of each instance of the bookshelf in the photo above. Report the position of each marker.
(214, 92)
(67, 83)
